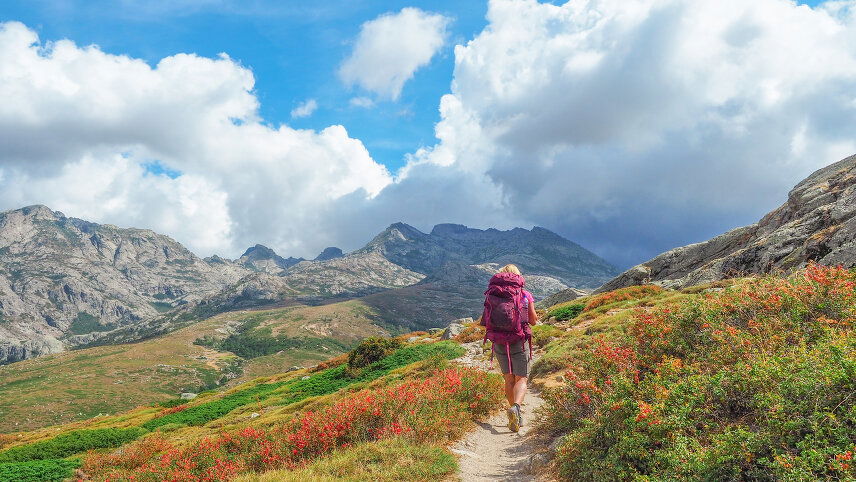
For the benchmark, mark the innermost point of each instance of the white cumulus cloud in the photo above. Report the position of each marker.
(637, 126)
(78, 125)
(391, 48)
(304, 109)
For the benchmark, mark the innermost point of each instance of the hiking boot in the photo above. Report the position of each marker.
(514, 419)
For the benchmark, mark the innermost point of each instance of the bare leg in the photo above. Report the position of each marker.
(510, 384)
(518, 390)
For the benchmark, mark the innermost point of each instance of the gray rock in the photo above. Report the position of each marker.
(254, 415)
(294, 369)
(563, 296)
(817, 223)
(413, 339)
(435, 331)
(556, 443)
(537, 461)
(305, 377)
(455, 328)
(188, 396)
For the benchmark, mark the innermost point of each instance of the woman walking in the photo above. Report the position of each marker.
(509, 312)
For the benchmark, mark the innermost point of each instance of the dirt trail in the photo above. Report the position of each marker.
(491, 451)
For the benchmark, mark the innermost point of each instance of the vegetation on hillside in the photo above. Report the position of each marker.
(169, 420)
(430, 410)
(753, 381)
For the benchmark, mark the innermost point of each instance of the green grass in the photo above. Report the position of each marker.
(38, 470)
(321, 383)
(390, 460)
(70, 443)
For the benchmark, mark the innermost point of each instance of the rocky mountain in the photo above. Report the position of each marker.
(537, 252)
(64, 280)
(817, 223)
(329, 253)
(262, 258)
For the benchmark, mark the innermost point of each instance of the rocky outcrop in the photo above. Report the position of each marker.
(329, 253)
(262, 258)
(817, 223)
(563, 296)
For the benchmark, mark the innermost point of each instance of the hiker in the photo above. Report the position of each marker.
(509, 312)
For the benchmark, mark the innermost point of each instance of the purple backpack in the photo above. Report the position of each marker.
(503, 316)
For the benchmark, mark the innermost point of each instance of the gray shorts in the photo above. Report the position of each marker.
(519, 358)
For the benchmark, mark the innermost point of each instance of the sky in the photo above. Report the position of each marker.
(628, 126)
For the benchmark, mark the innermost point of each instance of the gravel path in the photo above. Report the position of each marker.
(491, 451)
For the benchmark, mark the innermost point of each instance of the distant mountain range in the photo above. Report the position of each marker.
(817, 223)
(66, 282)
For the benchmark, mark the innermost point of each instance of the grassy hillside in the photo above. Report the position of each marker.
(748, 379)
(399, 404)
(753, 379)
(103, 380)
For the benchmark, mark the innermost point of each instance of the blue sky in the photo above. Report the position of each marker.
(628, 130)
(294, 49)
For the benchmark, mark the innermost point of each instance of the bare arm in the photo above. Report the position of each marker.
(533, 317)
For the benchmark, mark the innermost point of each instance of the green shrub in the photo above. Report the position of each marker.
(38, 470)
(71, 443)
(172, 402)
(370, 350)
(566, 313)
(541, 334)
(754, 382)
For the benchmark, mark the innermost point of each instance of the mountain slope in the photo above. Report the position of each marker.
(817, 223)
(67, 283)
(64, 280)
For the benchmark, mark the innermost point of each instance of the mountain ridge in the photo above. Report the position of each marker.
(67, 282)
(817, 223)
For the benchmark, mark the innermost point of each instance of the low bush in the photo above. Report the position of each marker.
(70, 443)
(567, 312)
(472, 332)
(370, 350)
(49, 470)
(172, 402)
(432, 410)
(754, 382)
(541, 334)
(623, 294)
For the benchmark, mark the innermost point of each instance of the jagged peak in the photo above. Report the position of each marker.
(37, 211)
(259, 251)
(449, 228)
(331, 252)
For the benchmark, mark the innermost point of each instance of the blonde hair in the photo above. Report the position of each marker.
(509, 268)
